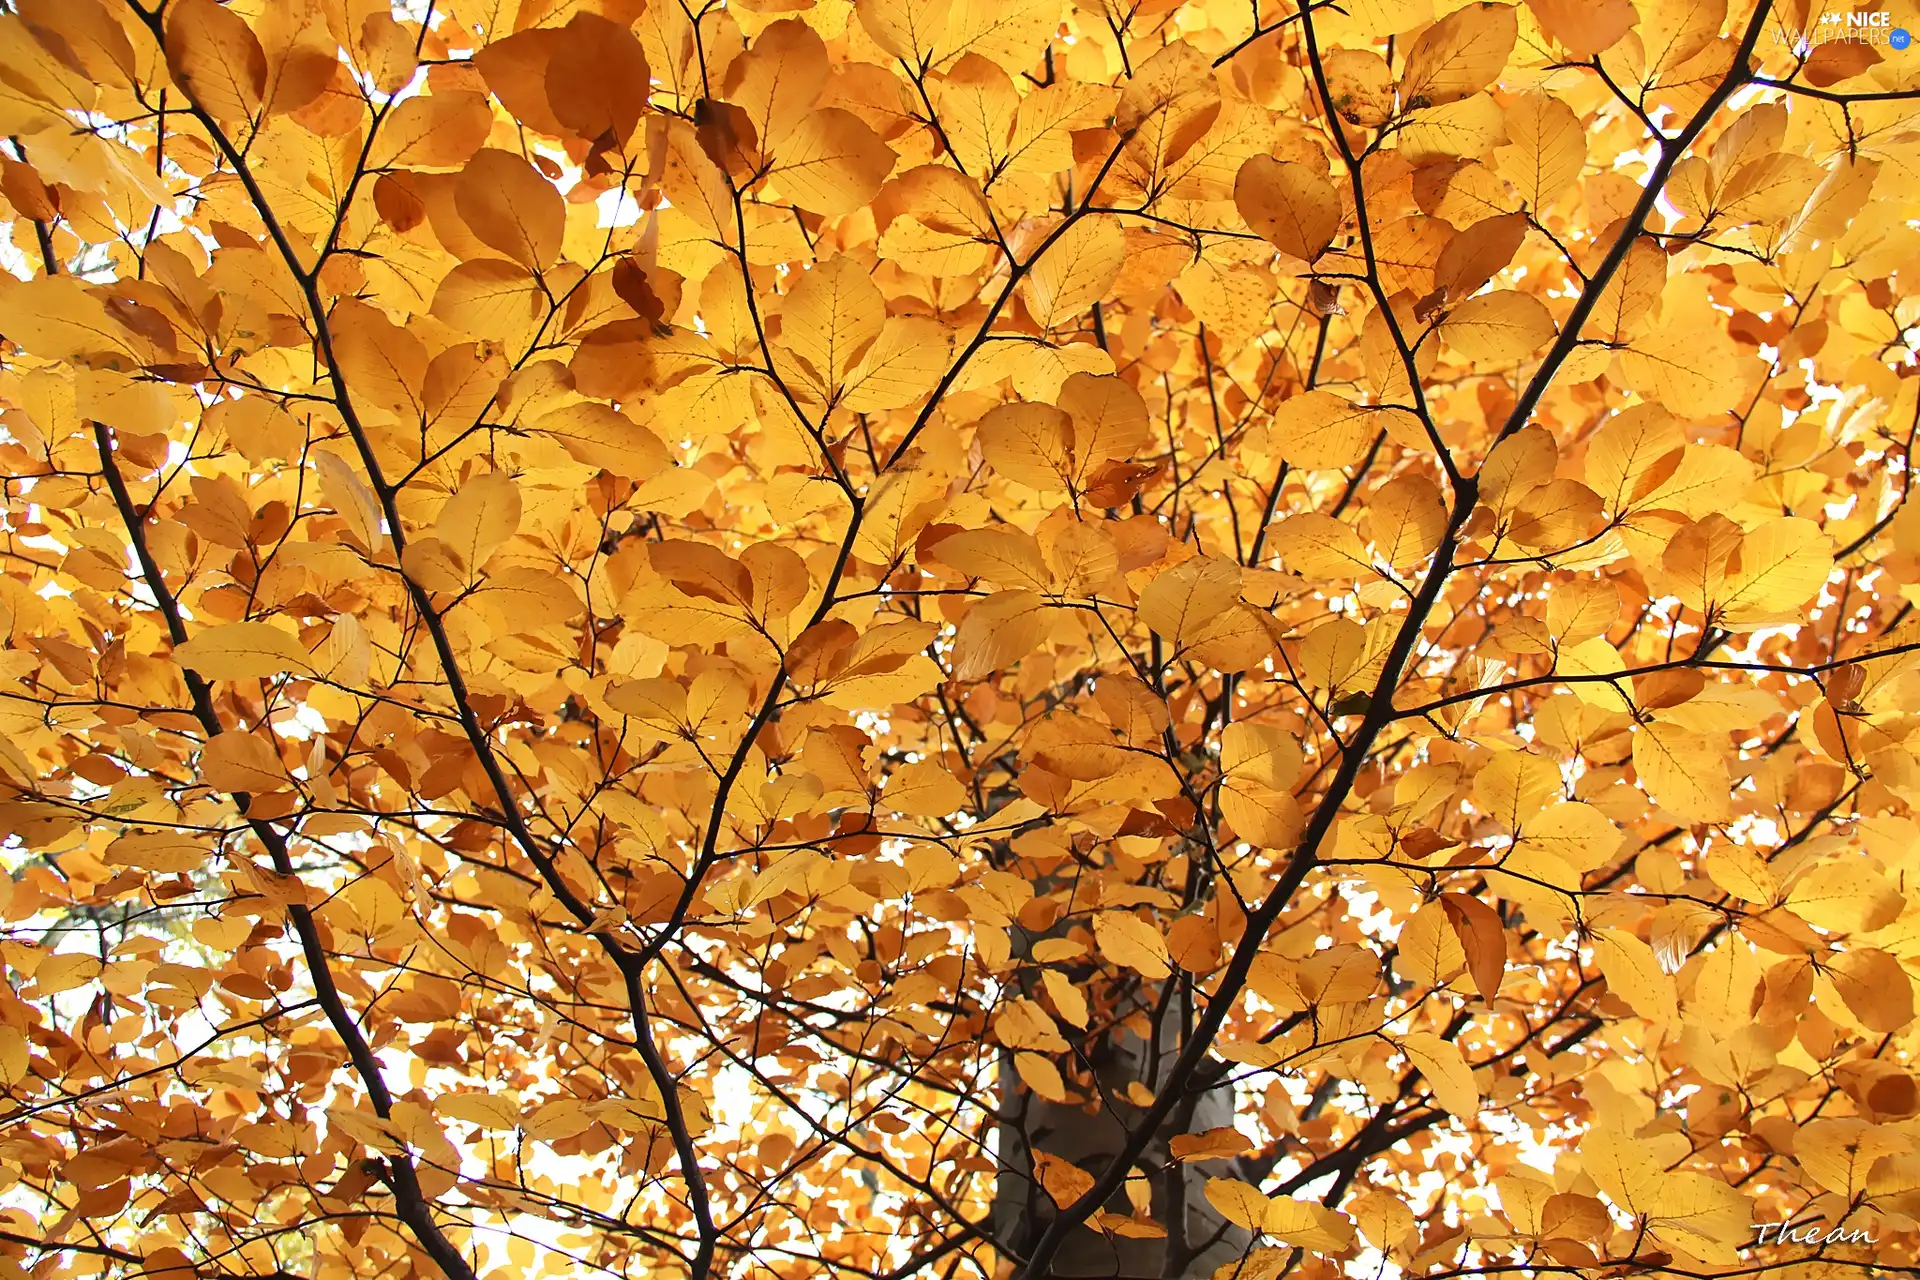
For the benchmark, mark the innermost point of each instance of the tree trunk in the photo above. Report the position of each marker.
(1198, 1239)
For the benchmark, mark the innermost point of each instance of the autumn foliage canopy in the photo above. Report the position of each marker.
(958, 638)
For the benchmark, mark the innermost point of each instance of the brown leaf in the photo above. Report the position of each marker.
(1482, 937)
(1838, 60)
(597, 79)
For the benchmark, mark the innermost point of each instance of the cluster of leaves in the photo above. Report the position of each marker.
(634, 630)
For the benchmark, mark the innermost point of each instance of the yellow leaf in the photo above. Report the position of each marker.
(1446, 1071)
(1043, 123)
(999, 631)
(386, 52)
(1428, 951)
(377, 908)
(1459, 55)
(1360, 84)
(1706, 475)
(433, 131)
(1702, 1216)
(558, 1120)
(645, 1114)
(1547, 149)
(1477, 253)
(1742, 872)
(1593, 670)
(58, 318)
(1629, 452)
(1240, 1203)
(601, 436)
(124, 403)
(831, 163)
(1066, 997)
(381, 362)
(243, 650)
(1387, 17)
(1063, 1181)
(1233, 301)
(830, 320)
(1263, 753)
(241, 762)
(522, 600)
(1635, 975)
(1465, 130)
(481, 516)
(1517, 466)
(1498, 327)
(1684, 773)
(1405, 520)
(1839, 1152)
(978, 101)
(1321, 546)
(490, 298)
(1769, 189)
(1290, 204)
(1184, 599)
(1074, 271)
(1006, 556)
(1627, 1170)
(163, 851)
(1022, 1024)
(1029, 443)
(1384, 1218)
(64, 972)
(1579, 835)
(214, 55)
(779, 78)
(1580, 610)
(1127, 940)
(1261, 814)
(882, 670)
(1319, 430)
(1041, 1076)
(1332, 652)
(1723, 983)
(920, 248)
(1846, 896)
(15, 1056)
(1875, 987)
(1306, 1225)
(1514, 786)
(923, 789)
(1214, 1144)
(904, 363)
(924, 35)
(1695, 373)
(1109, 420)
(1777, 568)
